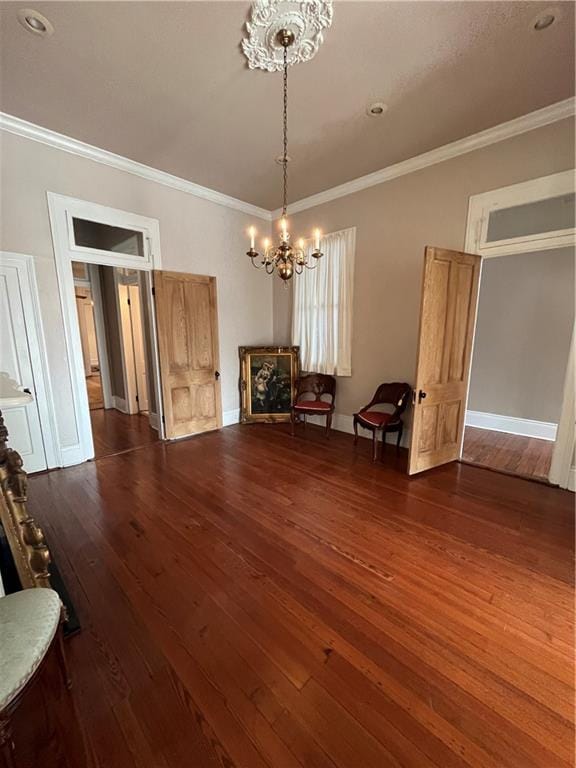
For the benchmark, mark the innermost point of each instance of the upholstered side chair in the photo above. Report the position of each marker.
(312, 391)
(396, 395)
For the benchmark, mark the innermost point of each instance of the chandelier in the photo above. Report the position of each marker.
(284, 258)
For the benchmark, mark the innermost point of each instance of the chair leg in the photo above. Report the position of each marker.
(292, 422)
(383, 445)
(374, 444)
(355, 432)
(304, 417)
(328, 424)
(399, 440)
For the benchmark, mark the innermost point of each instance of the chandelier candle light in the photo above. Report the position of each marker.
(284, 258)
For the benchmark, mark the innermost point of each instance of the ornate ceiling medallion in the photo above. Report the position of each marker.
(306, 20)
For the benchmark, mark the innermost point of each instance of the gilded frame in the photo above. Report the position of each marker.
(25, 537)
(248, 414)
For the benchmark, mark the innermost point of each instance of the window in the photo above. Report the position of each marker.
(551, 214)
(505, 220)
(322, 312)
(104, 237)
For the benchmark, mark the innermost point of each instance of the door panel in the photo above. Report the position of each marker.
(22, 421)
(187, 321)
(448, 312)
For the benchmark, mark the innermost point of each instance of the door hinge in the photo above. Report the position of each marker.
(137, 399)
(163, 419)
(128, 302)
(153, 291)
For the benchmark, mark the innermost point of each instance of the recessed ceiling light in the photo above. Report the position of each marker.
(544, 21)
(376, 109)
(35, 22)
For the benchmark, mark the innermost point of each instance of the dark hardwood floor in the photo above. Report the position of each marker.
(252, 600)
(113, 431)
(513, 454)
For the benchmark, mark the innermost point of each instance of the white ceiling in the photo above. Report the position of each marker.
(165, 83)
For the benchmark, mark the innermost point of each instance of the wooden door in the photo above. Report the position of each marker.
(447, 317)
(187, 320)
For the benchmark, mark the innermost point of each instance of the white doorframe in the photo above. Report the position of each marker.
(62, 210)
(480, 206)
(562, 470)
(156, 417)
(24, 264)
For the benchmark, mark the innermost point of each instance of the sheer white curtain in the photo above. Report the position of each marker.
(322, 309)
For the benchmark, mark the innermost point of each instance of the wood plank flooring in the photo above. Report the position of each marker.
(113, 431)
(513, 454)
(252, 600)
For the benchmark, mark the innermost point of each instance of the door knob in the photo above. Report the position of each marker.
(421, 396)
(216, 375)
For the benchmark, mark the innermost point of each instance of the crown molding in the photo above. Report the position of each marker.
(19, 127)
(541, 117)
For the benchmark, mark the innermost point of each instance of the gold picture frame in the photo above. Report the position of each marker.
(25, 538)
(268, 378)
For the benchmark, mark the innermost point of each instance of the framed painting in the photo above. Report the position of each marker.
(267, 383)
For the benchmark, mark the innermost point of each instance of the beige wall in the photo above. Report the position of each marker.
(196, 236)
(395, 221)
(523, 332)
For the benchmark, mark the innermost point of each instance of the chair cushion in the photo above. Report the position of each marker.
(376, 418)
(28, 622)
(313, 405)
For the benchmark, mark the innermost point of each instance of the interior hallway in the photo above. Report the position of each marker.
(114, 432)
(328, 612)
(513, 454)
(94, 387)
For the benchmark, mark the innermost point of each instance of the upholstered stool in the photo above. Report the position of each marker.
(35, 706)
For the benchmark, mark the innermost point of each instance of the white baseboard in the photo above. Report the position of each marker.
(154, 420)
(343, 422)
(120, 404)
(543, 430)
(230, 417)
(572, 480)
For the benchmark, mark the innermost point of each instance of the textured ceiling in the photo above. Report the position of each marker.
(165, 83)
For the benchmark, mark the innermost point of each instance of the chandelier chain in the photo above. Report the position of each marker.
(288, 257)
(285, 127)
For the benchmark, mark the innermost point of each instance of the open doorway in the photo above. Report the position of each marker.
(114, 324)
(523, 334)
(520, 410)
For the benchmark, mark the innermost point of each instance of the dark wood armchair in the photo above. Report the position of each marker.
(318, 385)
(395, 394)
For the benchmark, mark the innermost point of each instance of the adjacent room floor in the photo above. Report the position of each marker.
(254, 600)
(114, 432)
(94, 387)
(513, 454)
